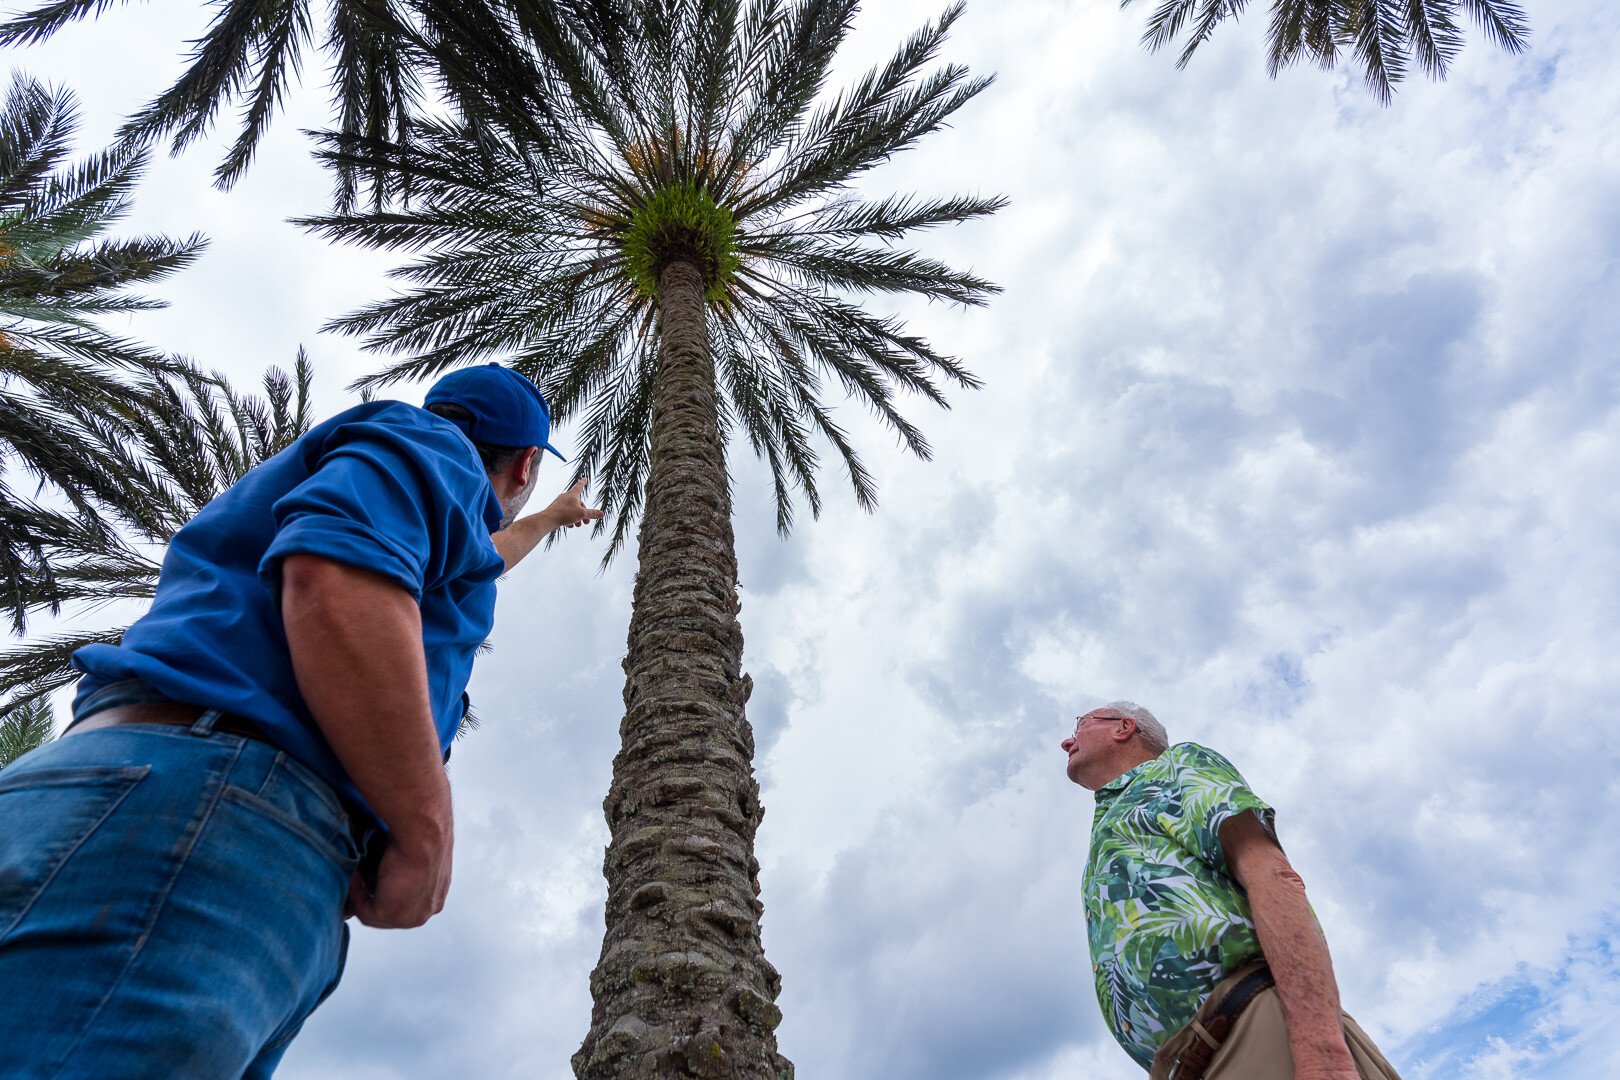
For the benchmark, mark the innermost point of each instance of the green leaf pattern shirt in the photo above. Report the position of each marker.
(1165, 919)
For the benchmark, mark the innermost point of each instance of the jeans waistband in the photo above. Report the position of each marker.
(139, 692)
(123, 692)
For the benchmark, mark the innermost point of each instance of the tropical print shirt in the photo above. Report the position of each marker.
(1165, 919)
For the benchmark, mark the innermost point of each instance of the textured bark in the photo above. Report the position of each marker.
(683, 987)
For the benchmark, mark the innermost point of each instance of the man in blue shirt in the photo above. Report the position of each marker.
(175, 870)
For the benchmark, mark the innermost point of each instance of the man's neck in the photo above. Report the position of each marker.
(1119, 766)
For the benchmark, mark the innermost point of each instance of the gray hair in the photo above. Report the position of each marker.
(1148, 727)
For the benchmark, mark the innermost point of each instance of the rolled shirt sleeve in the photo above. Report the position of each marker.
(1212, 790)
(396, 507)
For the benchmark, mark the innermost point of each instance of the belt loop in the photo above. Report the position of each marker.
(204, 726)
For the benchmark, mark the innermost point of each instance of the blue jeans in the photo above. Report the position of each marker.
(171, 904)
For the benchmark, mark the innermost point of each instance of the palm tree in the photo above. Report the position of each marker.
(679, 265)
(57, 276)
(183, 438)
(1382, 36)
(385, 55)
(21, 730)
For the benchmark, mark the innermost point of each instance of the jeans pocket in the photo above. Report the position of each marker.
(46, 815)
(336, 845)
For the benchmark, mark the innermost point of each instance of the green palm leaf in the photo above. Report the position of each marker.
(30, 672)
(391, 60)
(1382, 36)
(24, 726)
(69, 385)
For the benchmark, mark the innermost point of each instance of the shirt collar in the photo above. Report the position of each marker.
(494, 513)
(1122, 781)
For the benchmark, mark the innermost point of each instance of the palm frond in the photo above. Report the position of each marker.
(38, 25)
(886, 111)
(28, 535)
(1434, 36)
(36, 128)
(391, 62)
(1383, 36)
(33, 670)
(25, 724)
(1374, 30)
(1503, 21)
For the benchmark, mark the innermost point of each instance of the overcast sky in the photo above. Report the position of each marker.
(1300, 427)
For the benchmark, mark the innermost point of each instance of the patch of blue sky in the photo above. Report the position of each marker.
(1281, 686)
(1535, 1025)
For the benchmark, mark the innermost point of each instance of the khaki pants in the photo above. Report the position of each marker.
(1257, 1047)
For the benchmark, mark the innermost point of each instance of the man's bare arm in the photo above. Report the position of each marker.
(1294, 947)
(567, 510)
(356, 644)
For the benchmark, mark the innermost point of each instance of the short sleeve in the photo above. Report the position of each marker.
(378, 502)
(1211, 791)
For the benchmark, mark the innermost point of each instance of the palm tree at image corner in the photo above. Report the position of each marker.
(59, 276)
(679, 266)
(1381, 37)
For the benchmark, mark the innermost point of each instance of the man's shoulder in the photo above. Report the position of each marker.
(1191, 762)
(398, 428)
(1191, 753)
(390, 415)
(407, 447)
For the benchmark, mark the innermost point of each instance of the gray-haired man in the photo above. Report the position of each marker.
(1209, 962)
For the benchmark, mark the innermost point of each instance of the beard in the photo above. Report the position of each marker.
(513, 505)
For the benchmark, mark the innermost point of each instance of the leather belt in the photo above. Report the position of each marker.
(1213, 1029)
(179, 714)
(171, 713)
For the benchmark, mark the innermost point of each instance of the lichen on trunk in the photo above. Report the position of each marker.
(682, 987)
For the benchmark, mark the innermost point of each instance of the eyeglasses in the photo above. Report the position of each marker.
(1082, 721)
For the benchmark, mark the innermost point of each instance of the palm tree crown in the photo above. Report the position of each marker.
(695, 135)
(1382, 36)
(56, 277)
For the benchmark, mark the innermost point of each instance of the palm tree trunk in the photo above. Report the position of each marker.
(683, 987)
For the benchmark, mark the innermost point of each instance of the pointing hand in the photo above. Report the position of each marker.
(569, 509)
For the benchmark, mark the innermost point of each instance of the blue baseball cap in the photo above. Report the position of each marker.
(507, 409)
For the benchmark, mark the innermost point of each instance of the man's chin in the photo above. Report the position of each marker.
(510, 509)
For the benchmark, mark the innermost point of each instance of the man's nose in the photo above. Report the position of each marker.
(1067, 744)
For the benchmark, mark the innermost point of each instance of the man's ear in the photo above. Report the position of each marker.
(526, 462)
(1127, 728)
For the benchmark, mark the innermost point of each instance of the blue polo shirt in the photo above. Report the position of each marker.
(385, 486)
